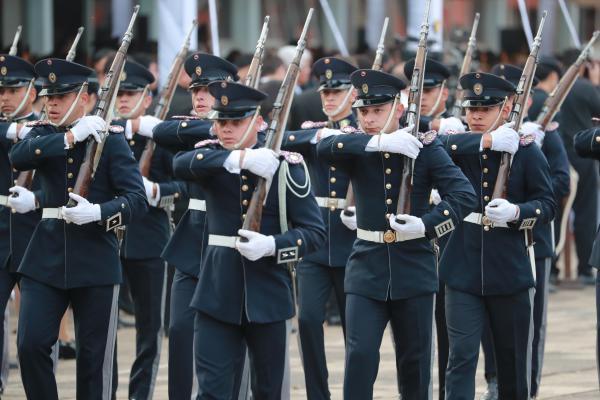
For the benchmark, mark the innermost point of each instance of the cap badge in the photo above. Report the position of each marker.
(224, 100)
(478, 89)
(123, 76)
(328, 74)
(365, 88)
(52, 77)
(2, 58)
(198, 70)
(3, 71)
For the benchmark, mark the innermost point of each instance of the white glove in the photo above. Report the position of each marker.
(23, 202)
(149, 186)
(325, 132)
(451, 125)
(257, 246)
(11, 132)
(88, 125)
(262, 162)
(435, 197)
(411, 225)
(531, 128)
(501, 211)
(400, 142)
(83, 213)
(349, 221)
(505, 138)
(147, 124)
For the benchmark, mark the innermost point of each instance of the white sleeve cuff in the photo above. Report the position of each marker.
(128, 130)
(11, 132)
(373, 144)
(67, 147)
(232, 163)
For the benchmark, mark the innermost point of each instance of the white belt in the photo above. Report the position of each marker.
(52, 213)
(3, 200)
(328, 202)
(197, 204)
(389, 236)
(480, 219)
(223, 241)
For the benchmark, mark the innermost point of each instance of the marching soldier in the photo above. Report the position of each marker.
(323, 271)
(556, 156)
(74, 259)
(145, 238)
(489, 266)
(186, 247)
(391, 274)
(17, 94)
(244, 293)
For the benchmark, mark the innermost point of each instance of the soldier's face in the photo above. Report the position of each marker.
(372, 119)
(202, 101)
(58, 105)
(10, 98)
(332, 99)
(430, 97)
(127, 101)
(481, 119)
(231, 131)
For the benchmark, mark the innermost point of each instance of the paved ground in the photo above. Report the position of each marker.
(569, 370)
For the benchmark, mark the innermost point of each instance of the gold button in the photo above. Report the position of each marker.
(70, 175)
(243, 216)
(388, 186)
(176, 195)
(70, 160)
(538, 211)
(15, 170)
(386, 155)
(183, 124)
(332, 179)
(292, 138)
(69, 189)
(388, 171)
(332, 168)
(199, 156)
(244, 188)
(484, 156)
(486, 198)
(340, 145)
(597, 139)
(446, 212)
(333, 193)
(299, 242)
(388, 215)
(244, 177)
(38, 152)
(12, 210)
(332, 208)
(245, 202)
(485, 184)
(131, 142)
(454, 147)
(486, 228)
(388, 201)
(122, 205)
(485, 170)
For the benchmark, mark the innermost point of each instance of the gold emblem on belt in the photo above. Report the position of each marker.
(389, 236)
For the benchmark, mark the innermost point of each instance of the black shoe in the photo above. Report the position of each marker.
(66, 350)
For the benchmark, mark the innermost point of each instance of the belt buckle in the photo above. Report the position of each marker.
(389, 236)
(332, 203)
(485, 221)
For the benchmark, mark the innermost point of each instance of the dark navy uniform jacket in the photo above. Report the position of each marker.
(403, 269)
(68, 255)
(147, 236)
(495, 261)
(15, 228)
(329, 182)
(186, 247)
(229, 285)
(587, 144)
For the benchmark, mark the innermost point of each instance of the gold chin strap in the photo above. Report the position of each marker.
(70, 110)
(22, 103)
(341, 107)
(494, 125)
(137, 106)
(437, 101)
(238, 145)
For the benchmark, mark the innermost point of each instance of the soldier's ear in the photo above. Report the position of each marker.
(399, 109)
(445, 93)
(85, 97)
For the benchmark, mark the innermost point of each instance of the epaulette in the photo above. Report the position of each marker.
(207, 142)
(313, 125)
(350, 129)
(41, 122)
(116, 129)
(291, 157)
(526, 140)
(427, 137)
(184, 117)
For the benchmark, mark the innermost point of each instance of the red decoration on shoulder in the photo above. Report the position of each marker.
(427, 137)
(207, 142)
(313, 125)
(291, 157)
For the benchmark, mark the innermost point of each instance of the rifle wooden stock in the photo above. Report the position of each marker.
(255, 69)
(104, 107)
(518, 108)
(164, 102)
(281, 110)
(465, 68)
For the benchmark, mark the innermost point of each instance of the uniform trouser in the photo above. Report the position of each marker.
(220, 346)
(510, 321)
(95, 318)
(442, 339)
(147, 280)
(315, 282)
(598, 326)
(411, 320)
(8, 280)
(540, 305)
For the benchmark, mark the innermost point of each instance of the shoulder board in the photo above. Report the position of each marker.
(291, 157)
(427, 137)
(207, 142)
(184, 117)
(313, 125)
(350, 129)
(526, 140)
(41, 122)
(116, 129)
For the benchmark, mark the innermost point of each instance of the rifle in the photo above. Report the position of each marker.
(518, 107)
(25, 178)
(166, 95)
(104, 108)
(255, 69)
(377, 62)
(13, 47)
(281, 110)
(413, 113)
(465, 68)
